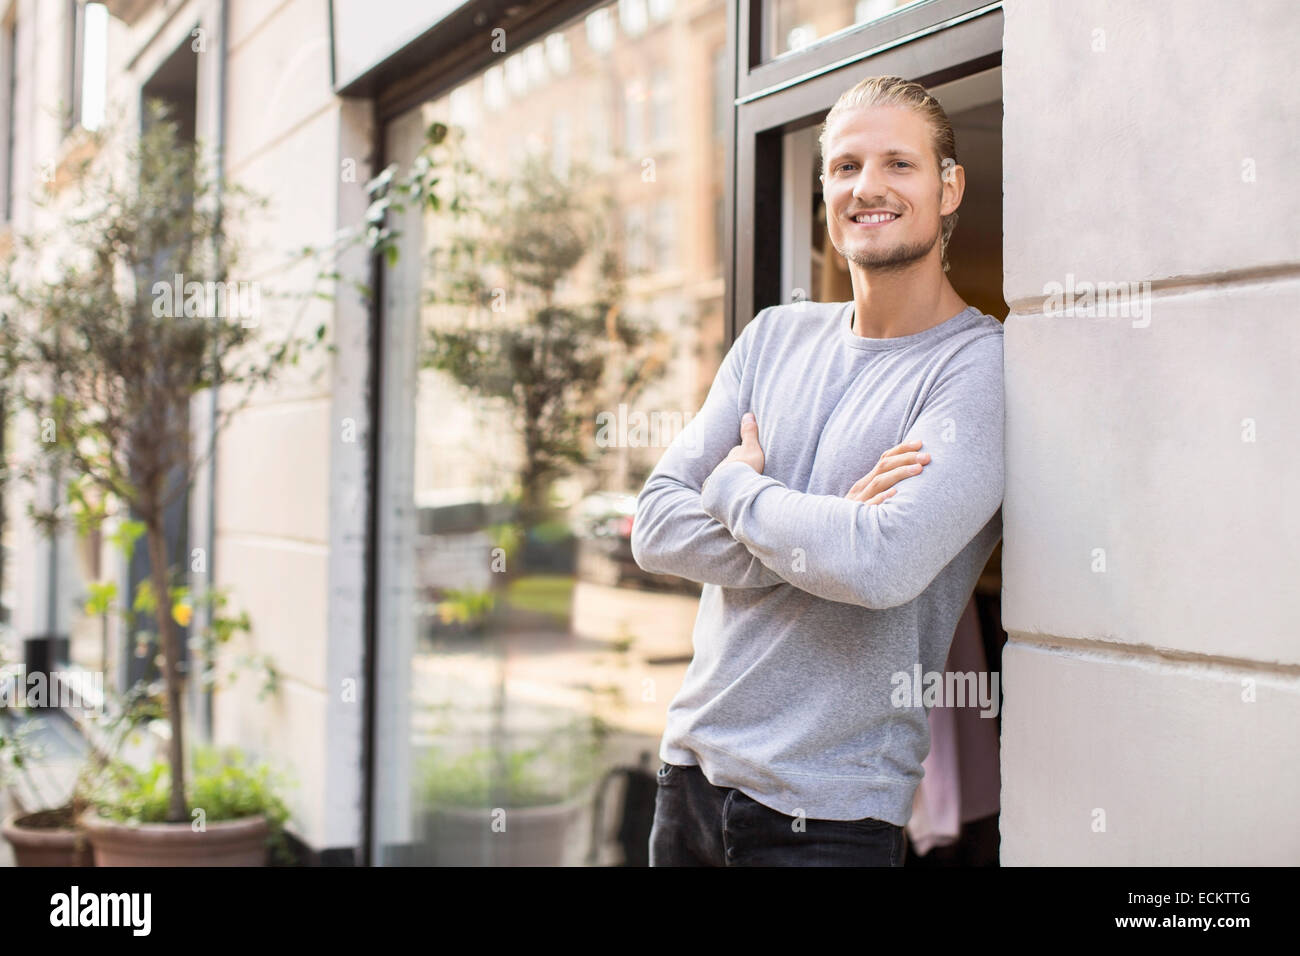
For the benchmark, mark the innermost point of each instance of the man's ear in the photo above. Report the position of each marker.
(953, 178)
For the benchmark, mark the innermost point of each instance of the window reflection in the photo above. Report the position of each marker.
(795, 24)
(543, 345)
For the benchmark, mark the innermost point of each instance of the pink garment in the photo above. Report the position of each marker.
(962, 779)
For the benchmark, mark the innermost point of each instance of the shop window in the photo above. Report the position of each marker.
(541, 353)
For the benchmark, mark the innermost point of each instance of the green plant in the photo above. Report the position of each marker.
(224, 784)
(553, 531)
(466, 606)
(108, 354)
(466, 780)
(219, 627)
(509, 537)
(559, 765)
(550, 594)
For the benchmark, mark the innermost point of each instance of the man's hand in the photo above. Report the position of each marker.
(901, 461)
(748, 450)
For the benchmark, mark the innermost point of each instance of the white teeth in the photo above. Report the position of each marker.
(876, 217)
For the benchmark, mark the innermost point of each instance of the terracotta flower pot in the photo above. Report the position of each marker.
(239, 842)
(40, 839)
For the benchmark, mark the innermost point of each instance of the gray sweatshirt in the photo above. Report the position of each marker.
(816, 608)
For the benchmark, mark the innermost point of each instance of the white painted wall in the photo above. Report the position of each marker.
(1158, 698)
(291, 487)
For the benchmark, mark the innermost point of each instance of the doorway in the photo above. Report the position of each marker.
(783, 254)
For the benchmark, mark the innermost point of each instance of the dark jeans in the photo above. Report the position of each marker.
(698, 824)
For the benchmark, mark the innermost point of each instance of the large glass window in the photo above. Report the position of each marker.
(87, 63)
(542, 349)
(792, 25)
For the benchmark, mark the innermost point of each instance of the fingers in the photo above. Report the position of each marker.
(887, 479)
(903, 461)
(913, 445)
(885, 475)
(905, 454)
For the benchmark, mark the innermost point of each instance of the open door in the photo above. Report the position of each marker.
(955, 817)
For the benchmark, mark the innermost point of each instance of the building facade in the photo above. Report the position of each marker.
(429, 526)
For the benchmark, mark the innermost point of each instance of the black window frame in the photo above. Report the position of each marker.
(754, 74)
(968, 42)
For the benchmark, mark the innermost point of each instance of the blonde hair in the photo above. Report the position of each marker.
(896, 91)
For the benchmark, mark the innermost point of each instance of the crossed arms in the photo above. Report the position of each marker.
(720, 522)
(671, 533)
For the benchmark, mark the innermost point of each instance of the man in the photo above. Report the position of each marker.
(829, 576)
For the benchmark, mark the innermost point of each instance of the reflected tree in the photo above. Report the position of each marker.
(531, 267)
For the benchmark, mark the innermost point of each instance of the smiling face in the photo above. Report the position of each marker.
(884, 194)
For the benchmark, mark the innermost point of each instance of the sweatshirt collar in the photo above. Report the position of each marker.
(853, 340)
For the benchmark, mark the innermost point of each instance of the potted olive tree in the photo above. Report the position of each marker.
(239, 813)
(111, 328)
(54, 834)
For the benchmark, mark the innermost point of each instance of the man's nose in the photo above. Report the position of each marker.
(867, 187)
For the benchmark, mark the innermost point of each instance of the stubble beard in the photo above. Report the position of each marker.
(893, 259)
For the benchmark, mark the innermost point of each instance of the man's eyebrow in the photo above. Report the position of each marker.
(896, 151)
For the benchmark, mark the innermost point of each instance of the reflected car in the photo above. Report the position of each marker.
(602, 523)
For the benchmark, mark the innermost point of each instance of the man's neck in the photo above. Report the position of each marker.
(891, 304)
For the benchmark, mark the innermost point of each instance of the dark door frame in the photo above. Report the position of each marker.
(970, 42)
(756, 75)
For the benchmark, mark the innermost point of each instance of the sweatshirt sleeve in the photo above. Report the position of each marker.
(885, 555)
(671, 533)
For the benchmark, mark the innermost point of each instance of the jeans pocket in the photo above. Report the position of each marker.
(868, 823)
